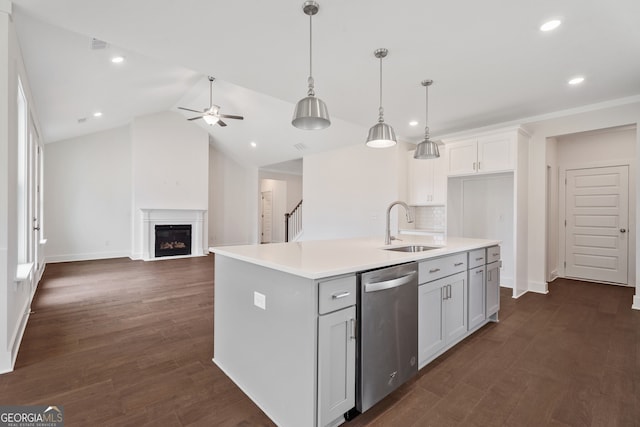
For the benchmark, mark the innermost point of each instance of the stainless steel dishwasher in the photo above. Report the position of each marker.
(387, 350)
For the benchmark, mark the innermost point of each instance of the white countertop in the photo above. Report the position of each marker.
(324, 258)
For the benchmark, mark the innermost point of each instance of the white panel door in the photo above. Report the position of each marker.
(267, 217)
(597, 213)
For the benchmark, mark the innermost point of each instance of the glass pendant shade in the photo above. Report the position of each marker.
(427, 149)
(311, 113)
(381, 135)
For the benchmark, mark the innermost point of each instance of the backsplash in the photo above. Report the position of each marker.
(432, 218)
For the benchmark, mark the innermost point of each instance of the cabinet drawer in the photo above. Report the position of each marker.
(441, 267)
(477, 258)
(493, 254)
(336, 294)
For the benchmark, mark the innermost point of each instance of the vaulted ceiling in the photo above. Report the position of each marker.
(489, 60)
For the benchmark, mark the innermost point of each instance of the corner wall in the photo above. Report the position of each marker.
(87, 201)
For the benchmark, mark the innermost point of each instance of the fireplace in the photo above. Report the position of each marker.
(173, 240)
(150, 218)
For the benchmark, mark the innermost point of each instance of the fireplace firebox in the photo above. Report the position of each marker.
(172, 240)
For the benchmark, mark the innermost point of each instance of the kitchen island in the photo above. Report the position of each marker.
(285, 315)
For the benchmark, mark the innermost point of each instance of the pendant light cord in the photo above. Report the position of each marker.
(310, 92)
(380, 109)
(426, 114)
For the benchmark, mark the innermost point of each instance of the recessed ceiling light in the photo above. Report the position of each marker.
(413, 123)
(97, 114)
(550, 25)
(117, 59)
(576, 80)
(253, 144)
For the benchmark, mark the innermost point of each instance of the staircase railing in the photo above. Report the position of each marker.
(293, 222)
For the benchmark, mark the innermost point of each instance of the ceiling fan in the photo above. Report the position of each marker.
(212, 114)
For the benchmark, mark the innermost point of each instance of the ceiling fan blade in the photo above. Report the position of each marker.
(221, 123)
(189, 109)
(230, 116)
(195, 118)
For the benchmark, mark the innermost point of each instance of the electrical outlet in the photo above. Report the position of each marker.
(260, 300)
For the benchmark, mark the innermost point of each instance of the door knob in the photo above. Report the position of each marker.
(623, 230)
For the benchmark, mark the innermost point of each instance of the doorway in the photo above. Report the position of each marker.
(266, 209)
(596, 224)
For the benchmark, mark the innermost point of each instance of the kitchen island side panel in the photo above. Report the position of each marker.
(269, 353)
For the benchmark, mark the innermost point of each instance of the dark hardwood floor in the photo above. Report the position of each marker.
(129, 343)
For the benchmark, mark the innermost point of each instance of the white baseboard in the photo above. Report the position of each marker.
(86, 257)
(518, 295)
(636, 302)
(539, 287)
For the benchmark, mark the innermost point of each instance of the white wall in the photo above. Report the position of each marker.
(586, 149)
(87, 203)
(552, 209)
(346, 191)
(601, 118)
(233, 201)
(170, 160)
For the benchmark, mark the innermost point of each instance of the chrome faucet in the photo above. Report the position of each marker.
(387, 236)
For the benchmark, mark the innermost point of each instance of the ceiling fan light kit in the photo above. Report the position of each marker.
(311, 112)
(381, 135)
(427, 149)
(212, 115)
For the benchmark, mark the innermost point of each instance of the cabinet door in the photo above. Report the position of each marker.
(431, 337)
(462, 157)
(496, 153)
(493, 288)
(455, 310)
(477, 297)
(420, 180)
(336, 364)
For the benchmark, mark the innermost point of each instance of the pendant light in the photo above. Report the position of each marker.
(381, 135)
(427, 149)
(311, 113)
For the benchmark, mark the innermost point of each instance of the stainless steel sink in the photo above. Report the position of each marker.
(410, 248)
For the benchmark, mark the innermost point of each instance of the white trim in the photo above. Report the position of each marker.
(6, 7)
(539, 287)
(52, 259)
(18, 333)
(516, 296)
(548, 116)
(23, 272)
(636, 302)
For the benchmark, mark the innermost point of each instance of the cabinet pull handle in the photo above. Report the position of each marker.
(479, 259)
(458, 264)
(489, 278)
(434, 270)
(474, 165)
(479, 271)
(495, 254)
(443, 294)
(340, 295)
(478, 165)
(449, 287)
(353, 328)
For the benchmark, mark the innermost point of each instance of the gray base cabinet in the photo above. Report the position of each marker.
(336, 364)
(477, 296)
(442, 317)
(493, 288)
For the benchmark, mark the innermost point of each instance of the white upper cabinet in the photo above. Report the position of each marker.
(484, 154)
(427, 181)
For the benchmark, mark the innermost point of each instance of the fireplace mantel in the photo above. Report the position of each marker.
(153, 217)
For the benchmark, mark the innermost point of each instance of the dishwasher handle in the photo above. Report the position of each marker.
(389, 284)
